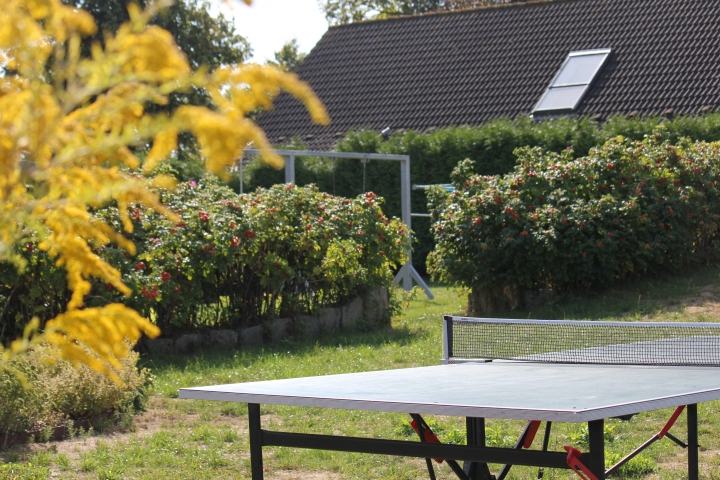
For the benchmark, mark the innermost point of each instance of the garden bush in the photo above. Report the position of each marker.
(491, 146)
(627, 209)
(231, 261)
(39, 291)
(433, 156)
(56, 391)
(235, 261)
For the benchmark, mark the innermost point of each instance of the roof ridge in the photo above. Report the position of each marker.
(413, 16)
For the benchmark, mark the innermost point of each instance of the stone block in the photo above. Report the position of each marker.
(159, 345)
(377, 306)
(330, 319)
(309, 325)
(279, 328)
(225, 339)
(351, 313)
(190, 342)
(252, 335)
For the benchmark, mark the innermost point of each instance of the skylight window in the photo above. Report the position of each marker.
(572, 81)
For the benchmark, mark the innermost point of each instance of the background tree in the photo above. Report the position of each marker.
(289, 56)
(207, 40)
(339, 12)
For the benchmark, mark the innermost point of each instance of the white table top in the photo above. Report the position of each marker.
(513, 390)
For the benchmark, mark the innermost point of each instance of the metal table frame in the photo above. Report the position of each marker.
(475, 454)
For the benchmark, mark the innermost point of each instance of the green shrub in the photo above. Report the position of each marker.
(56, 391)
(40, 291)
(238, 260)
(434, 155)
(231, 261)
(491, 146)
(626, 209)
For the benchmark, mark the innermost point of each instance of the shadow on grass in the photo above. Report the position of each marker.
(628, 299)
(294, 346)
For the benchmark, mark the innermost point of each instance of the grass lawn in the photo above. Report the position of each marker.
(193, 439)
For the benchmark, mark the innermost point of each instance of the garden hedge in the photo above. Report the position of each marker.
(231, 261)
(628, 208)
(491, 146)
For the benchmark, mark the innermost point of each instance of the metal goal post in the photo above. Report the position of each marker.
(407, 272)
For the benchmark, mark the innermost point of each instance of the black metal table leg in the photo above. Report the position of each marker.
(597, 448)
(256, 463)
(475, 431)
(421, 433)
(692, 443)
(546, 444)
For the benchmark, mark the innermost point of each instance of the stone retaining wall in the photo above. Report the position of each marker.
(373, 308)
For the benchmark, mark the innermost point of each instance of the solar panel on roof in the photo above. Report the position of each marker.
(572, 81)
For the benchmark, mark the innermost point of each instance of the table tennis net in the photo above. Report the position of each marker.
(584, 342)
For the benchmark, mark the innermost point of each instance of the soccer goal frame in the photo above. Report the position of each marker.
(407, 272)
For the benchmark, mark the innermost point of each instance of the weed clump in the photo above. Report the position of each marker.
(38, 393)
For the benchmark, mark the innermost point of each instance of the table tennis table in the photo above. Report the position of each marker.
(605, 370)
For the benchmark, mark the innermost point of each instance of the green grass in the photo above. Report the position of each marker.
(204, 440)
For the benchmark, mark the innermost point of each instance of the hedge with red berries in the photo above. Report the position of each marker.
(628, 208)
(233, 261)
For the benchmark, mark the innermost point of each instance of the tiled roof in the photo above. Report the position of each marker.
(468, 67)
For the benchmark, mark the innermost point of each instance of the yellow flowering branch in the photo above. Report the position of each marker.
(69, 129)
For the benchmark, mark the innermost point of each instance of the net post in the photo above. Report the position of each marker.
(447, 338)
(692, 442)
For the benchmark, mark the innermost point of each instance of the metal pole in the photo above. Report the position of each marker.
(692, 443)
(597, 448)
(241, 176)
(475, 430)
(316, 153)
(289, 168)
(256, 463)
(406, 217)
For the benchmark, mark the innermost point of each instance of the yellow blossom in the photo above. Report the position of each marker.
(71, 143)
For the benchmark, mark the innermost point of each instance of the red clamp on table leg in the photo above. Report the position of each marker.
(530, 435)
(576, 465)
(430, 437)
